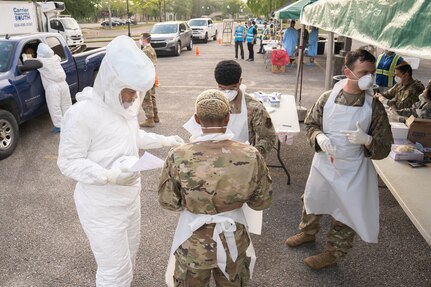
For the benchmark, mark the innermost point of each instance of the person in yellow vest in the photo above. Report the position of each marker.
(385, 73)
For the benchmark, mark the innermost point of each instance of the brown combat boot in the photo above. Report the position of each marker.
(325, 259)
(156, 118)
(299, 239)
(149, 123)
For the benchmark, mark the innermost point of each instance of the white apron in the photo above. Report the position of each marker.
(238, 123)
(225, 222)
(347, 188)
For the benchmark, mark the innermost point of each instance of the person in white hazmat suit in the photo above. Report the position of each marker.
(57, 91)
(100, 137)
(347, 127)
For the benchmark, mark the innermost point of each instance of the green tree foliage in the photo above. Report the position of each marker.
(265, 7)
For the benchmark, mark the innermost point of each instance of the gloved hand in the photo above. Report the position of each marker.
(358, 136)
(172, 141)
(325, 144)
(116, 176)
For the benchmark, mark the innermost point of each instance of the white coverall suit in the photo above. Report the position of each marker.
(97, 131)
(57, 91)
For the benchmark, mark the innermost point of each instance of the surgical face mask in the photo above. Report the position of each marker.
(364, 82)
(421, 98)
(132, 108)
(230, 94)
(398, 79)
(141, 42)
(127, 105)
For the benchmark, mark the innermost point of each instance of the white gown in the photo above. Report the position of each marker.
(97, 131)
(346, 189)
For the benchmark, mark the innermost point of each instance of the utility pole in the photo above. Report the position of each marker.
(128, 18)
(164, 8)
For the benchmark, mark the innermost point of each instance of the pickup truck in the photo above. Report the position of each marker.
(203, 29)
(22, 96)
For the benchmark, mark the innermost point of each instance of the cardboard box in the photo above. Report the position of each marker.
(414, 155)
(419, 131)
(399, 130)
(278, 69)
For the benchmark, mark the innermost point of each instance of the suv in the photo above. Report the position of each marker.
(171, 37)
(203, 29)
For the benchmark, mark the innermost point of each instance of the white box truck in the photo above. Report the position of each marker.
(30, 17)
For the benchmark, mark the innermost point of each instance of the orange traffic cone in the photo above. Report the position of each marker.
(157, 81)
(219, 40)
(197, 51)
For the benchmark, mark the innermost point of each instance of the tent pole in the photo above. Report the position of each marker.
(329, 59)
(299, 62)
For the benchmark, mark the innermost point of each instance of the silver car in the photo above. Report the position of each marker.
(171, 37)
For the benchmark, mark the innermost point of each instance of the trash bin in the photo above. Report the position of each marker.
(338, 46)
(321, 47)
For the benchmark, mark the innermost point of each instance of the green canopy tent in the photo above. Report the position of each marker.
(292, 11)
(400, 25)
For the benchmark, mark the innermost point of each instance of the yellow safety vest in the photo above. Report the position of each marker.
(388, 73)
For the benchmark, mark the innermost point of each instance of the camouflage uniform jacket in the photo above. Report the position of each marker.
(261, 131)
(419, 110)
(380, 129)
(151, 53)
(404, 96)
(212, 177)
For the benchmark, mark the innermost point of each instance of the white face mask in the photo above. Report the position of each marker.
(421, 98)
(141, 42)
(364, 82)
(230, 94)
(132, 108)
(398, 79)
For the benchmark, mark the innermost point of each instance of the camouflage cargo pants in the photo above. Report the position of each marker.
(340, 236)
(185, 276)
(149, 104)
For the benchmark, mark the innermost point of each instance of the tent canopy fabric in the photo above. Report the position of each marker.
(403, 26)
(292, 11)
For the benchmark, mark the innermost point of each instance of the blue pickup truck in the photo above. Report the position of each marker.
(22, 96)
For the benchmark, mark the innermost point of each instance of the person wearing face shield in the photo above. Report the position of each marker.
(347, 127)
(57, 91)
(249, 120)
(421, 109)
(100, 140)
(405, 92)
(204, 182)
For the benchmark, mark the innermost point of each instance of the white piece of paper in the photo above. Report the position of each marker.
(193, 127)
(253, 218)
(147, 162)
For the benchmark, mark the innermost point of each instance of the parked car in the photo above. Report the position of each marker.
(22, 96)
(203, 29)
(171, 37)
(115, 22)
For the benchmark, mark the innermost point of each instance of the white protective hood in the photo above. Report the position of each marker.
(120, 69)
(52, 71)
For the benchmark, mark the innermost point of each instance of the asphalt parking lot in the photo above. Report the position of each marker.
(42, 243)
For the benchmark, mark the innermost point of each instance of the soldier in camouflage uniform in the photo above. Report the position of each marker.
(337, 185)
(406, 91)
(149, 104)
(213, 176)
(261, 132)
(420, 109)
